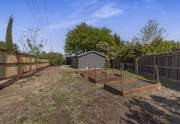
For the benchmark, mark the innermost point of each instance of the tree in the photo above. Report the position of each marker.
(32, 42)
(9, 41)
(118, 40)
(103, 47)
(85, 38)
(130, 51)
(55, 58)
(150, 32)
(176, 45)
(2, 45)
(160, 45)
(149, 41)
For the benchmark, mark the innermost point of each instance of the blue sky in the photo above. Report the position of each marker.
(56, 17)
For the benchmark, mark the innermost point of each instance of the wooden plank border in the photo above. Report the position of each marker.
(134, 91)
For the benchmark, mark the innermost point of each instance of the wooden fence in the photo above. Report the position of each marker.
(168, 65)
(16, 65)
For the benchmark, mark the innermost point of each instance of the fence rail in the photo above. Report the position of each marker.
(16, 65)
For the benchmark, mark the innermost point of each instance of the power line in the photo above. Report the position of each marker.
(37, 9)
(33, 13)
(46, 11)
(47, 16)
(40, 13)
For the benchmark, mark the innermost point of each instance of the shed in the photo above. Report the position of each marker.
(91, 59)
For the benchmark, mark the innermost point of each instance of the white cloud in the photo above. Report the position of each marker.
(56, 31)
(63, 24)
(107, 11)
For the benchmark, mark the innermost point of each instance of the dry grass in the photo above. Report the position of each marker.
(58, 95)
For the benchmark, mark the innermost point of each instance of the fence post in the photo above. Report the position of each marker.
(105, 71)
(122, 78)
(137, 68)
(124, 74)
(113, 65)
(36, 64)
(30, 64)
(18, 64)
(141, 65)
(95, 73)
(154, 65)
(157, 74)
(88, 72)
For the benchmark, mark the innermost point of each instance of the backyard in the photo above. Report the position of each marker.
(89, 62)
(57, 95)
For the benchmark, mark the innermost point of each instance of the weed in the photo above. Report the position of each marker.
(58, 99)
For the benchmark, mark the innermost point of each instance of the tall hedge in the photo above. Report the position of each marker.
(9, 41)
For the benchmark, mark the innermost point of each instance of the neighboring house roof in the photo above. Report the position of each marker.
(91, 52)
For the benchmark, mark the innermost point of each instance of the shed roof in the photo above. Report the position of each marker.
(91, 52)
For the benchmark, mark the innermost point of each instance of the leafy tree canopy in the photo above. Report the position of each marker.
(55, 58)
(118, 40)
(3, 46)
(149, 41)
(86, 38)
(150, 32)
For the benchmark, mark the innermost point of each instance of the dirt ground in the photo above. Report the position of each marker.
(59, 96)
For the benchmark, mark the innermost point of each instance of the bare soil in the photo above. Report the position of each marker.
(98, 76)
(59, 96)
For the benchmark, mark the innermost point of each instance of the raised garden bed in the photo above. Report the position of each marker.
(133, 88)
(90, 73)
(98, 76)
(110, 78)
(114, 83)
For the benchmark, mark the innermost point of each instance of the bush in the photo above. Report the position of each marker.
(55, 58)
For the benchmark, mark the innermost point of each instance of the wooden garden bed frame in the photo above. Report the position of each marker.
(92, 75)
(152, 87)
(99, 76)
(133, 91)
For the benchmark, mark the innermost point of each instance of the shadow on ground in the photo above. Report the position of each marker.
(171, 84)
(160, 111)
